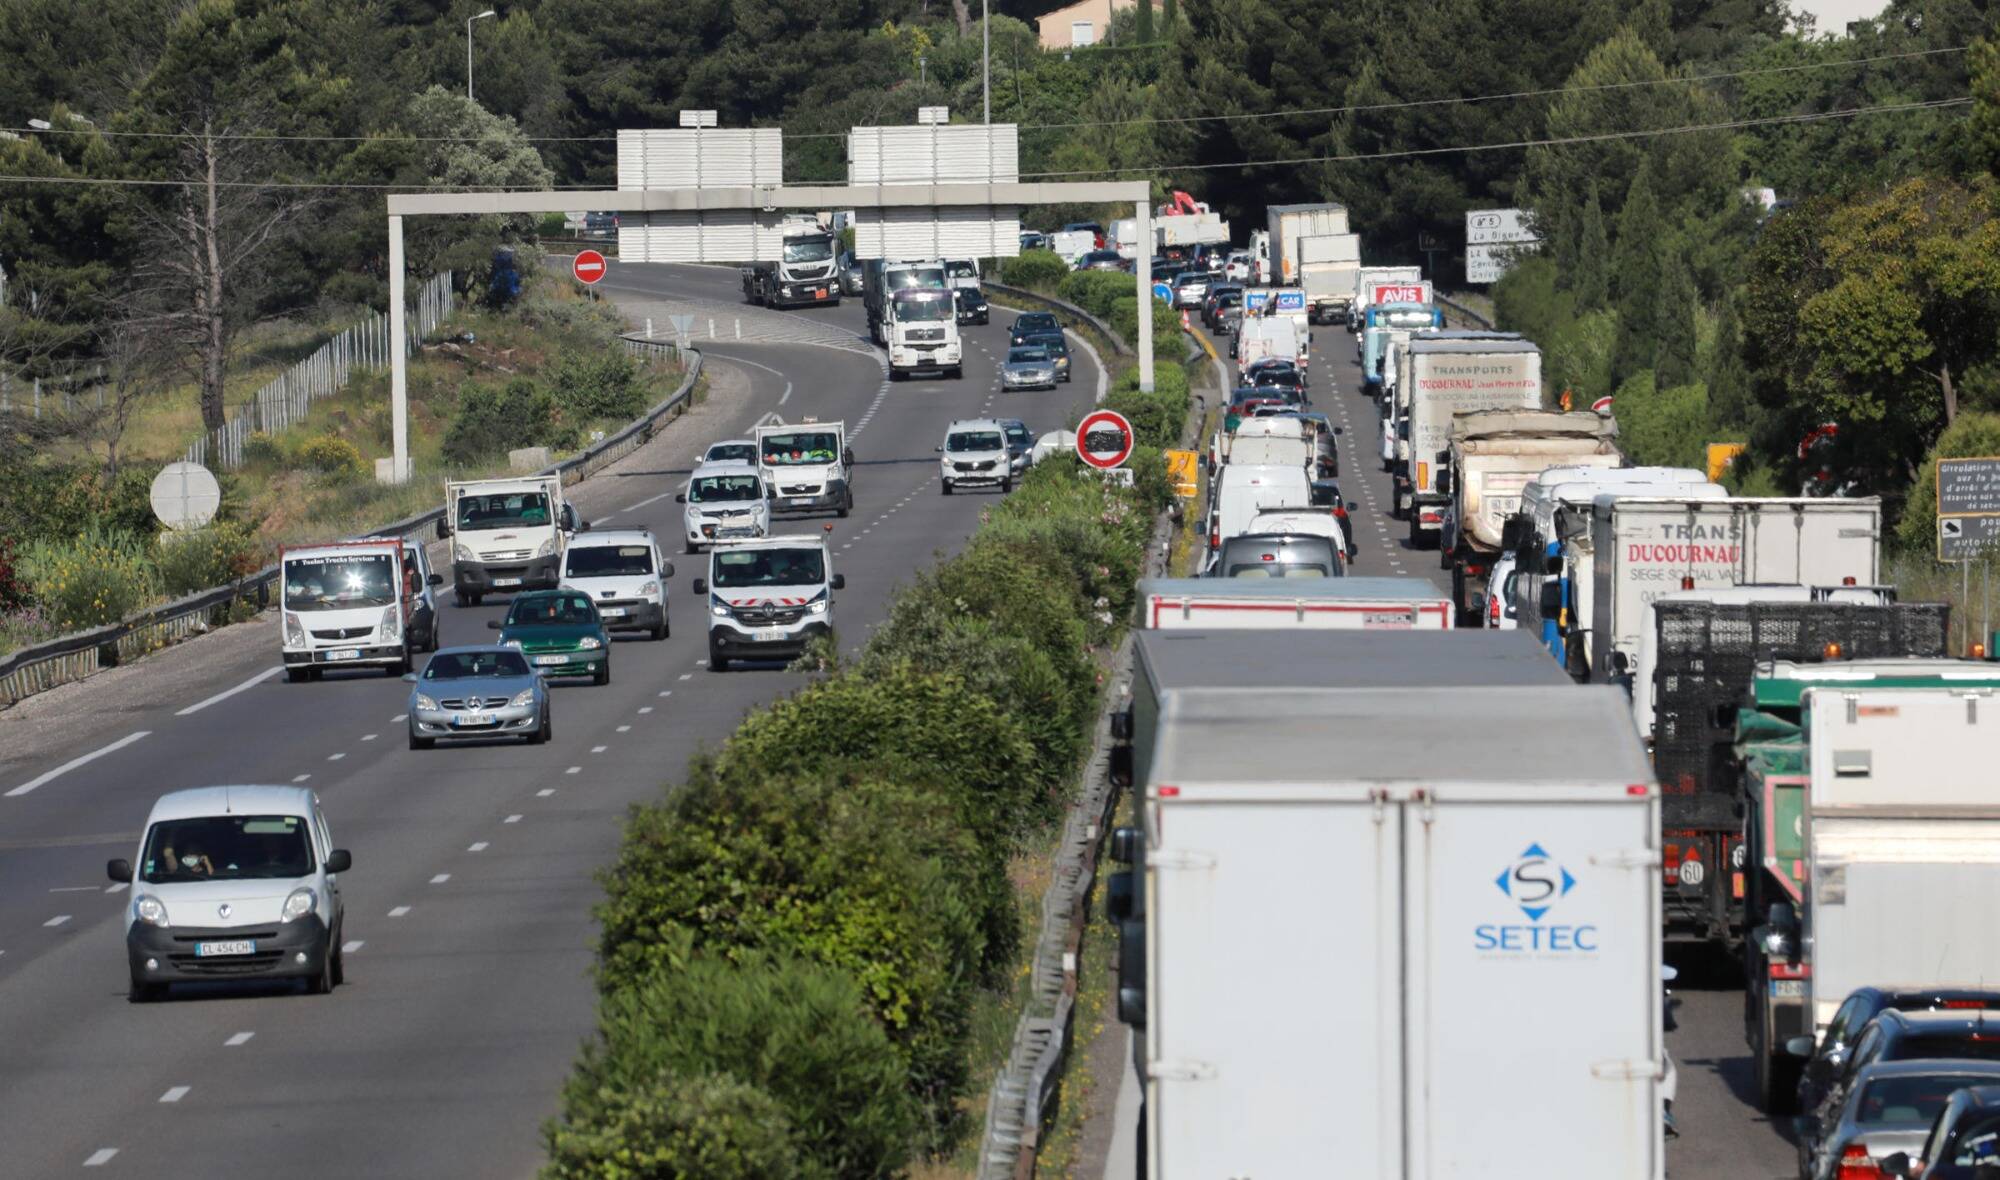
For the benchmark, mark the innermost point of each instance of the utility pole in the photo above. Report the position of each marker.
(986, 61)
(468, 50)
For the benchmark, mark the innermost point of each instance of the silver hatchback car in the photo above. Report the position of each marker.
(487, 691)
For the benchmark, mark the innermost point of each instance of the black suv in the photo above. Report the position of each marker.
(1031, 322)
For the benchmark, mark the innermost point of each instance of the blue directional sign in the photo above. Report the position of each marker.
(1162, 291)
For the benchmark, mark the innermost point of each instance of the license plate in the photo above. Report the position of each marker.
(472, 719)
(506, 581)
(548, 661)
(1788, 989)
(768, 634)
(795, 500)
(819, 293)
(340, 655)
(612, 612)
(242, 946)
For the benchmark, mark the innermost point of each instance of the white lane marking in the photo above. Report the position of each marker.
(645, 709)
(644, 502)
(399, 718)
(351, 945)
(574, 770)
(512, 819)
(545, 792)
(369, 737)
(399, 911)
(299, 778)
(624, 729)
(100, 1157)
(175, 1093)
(74, 889)
(698, 664)
(441, 878)
(477, 846)
(226, 693)
(667, 692)
(79, 760)
(687, 676)
(117, 888)
(783, 397)
(336, 757)
(58, 920)
(598, 749)
(243, 1038)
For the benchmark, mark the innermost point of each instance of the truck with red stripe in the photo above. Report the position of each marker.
(768, 598)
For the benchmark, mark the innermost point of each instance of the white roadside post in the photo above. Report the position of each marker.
(399, 386)
(1144, 217)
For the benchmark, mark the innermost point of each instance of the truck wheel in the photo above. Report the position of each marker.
(717, 662)
(146, 993)
(1573, 658)
(896, 374)
(957, 372)
(298, 675)
(1777, 1083)
(1458, 607)
(463, 598)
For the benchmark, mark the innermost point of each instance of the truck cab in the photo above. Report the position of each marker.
(922, 331)
(767, 598)
(350, 604)
(806, 272)
(507, 534)
(807, 466)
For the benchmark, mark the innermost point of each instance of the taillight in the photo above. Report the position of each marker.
(1340, 511)
(1215, 540)
(1857, 1164)
(1432, 518)
(1492, 610)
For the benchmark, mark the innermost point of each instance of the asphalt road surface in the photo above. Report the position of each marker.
(468, 930)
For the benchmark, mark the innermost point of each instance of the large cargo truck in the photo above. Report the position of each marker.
(805, 272)
(1288, 223)
(1327, 266)
(1448, 377)
(1293, 604)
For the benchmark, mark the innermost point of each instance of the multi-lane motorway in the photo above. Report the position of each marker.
(468, 929)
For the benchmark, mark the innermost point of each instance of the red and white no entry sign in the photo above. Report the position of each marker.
(1104, 439)
(588, 267)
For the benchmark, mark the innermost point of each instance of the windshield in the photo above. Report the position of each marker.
(339, 582)
(227, 848)
(731, 453)
(1277, 569)
(1053, 345)
(502, 510)
(710, 489)
(1982, 1047)
(928, 276)
(1907, 1099)
(1037, 321)
(738, 568)
(802, 446)
(551, 610)
(608, 561)
(462, 665)
(973, 440)
(1017, 433)
(1410, 319)
(1026, 356)
(1978, 1142)
(918, 311)
(961, 270)
(808, 249)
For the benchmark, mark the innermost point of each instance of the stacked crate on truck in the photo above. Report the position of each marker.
(1708, 655)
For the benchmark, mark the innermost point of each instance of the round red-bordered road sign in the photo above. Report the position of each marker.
(588, 267)
(1104, 439)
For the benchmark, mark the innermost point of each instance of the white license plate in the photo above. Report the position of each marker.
(1788, 989)
(612, 612)
(768, 634)
(472, 719)
(340, 655)
(242, 946)
(797, 499)
(547, 661)
(506, 581)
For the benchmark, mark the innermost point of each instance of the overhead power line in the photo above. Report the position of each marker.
(1286, 113)
(1556, 141)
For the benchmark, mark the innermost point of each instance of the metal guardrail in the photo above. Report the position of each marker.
(70, 658)
(1466, 316)
(1050, 303)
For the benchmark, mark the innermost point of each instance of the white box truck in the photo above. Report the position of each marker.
(1365, 281)
(1315, 604)
(1288, 223)
(1643, 548)
(1354, 949)
(808, 466)
(1327, 266)
(507, 534)
(804, 273)
(1448, 377)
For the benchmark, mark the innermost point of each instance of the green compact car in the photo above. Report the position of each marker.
(560, 632)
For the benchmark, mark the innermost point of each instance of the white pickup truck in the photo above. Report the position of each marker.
(507, 534)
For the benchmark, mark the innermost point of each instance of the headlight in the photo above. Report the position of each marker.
(463, 553)
(817, 606)
(548, 548)
(588, 643)
(148, 909)
(513, 643)
(424, 703)
(295, 631)
(718, 610)
(650, 588)
(392, 622)
(522, 699)
(301, 902)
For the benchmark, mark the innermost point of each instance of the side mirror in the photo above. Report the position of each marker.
(1782, 916)
(444, 526)
(680, 497)
(1621, 664)
(939, 450)
(118, 870)
(1799, 1046)
(1444, 482)
(493, 624)
(1552, 599)
(1896, 1163)
(1127, 844)
(1510, 535)
(409, 678)
(666, 569)
(1340, 430)
(583, 526)
(339, 860)
(568, 518)
(839, 582)
(700, 586)
(435, 580)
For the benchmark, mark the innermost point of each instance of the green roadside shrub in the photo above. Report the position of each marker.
(599, 383)
(330, 454)
(1168, 342)
(262, 448)
(1159, 417)
(1035, 270)
(1095, 534)
(853, 870)
(552, 225)
(1096, 291)
(202, 558)
(676, 1127)
(1969, 436)
(797, 1031)
(90, 580)
(493, 421)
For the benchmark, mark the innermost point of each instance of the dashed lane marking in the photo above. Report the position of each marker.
(545, 792)
(476, 846)
(58, 920)
(512, 819)
(226, 693)
(243, 1038)
(351, 945)
(441, 878)
(100, 1157)
(299, 778)
(175, 1093)
(399, 911)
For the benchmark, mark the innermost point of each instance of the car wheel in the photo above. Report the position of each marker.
(544, 731)
(146, 993)
(1006, 485)
(298, 675)
(339, 962)
(946, 484)
(322, 983)
(402, 664)
(660, 631)
(477, 598)
(603, 674)
(462, 598)
(1065, 378)
(421, 743)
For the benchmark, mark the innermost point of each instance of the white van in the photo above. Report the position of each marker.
(767, 598)
(621, 571)
(352, 604)
(725, 502)
(1243, 490)
(234, 883)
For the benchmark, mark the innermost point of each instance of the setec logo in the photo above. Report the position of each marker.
(1536, 884)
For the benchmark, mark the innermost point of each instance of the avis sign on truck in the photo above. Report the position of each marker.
(1384, 293)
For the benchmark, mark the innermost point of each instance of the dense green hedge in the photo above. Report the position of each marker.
(1159, 417)
(1034, 270)
(855, 835)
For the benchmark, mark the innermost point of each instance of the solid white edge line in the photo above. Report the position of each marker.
(783, 397)
(75, 762)
(226, 693)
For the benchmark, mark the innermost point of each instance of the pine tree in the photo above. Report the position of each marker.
(1169, 13)
(1635, 276)
(1145, 36)
(1673, 325)
(1729, 378)
(1591, 277)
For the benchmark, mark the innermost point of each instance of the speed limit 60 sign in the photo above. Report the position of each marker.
(1104, 439)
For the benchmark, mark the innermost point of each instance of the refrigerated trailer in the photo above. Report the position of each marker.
(1381, 925)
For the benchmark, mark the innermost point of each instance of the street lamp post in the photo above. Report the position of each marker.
(986, 60)
(468, 49)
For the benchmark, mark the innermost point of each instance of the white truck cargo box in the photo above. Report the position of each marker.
(1367, 604)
